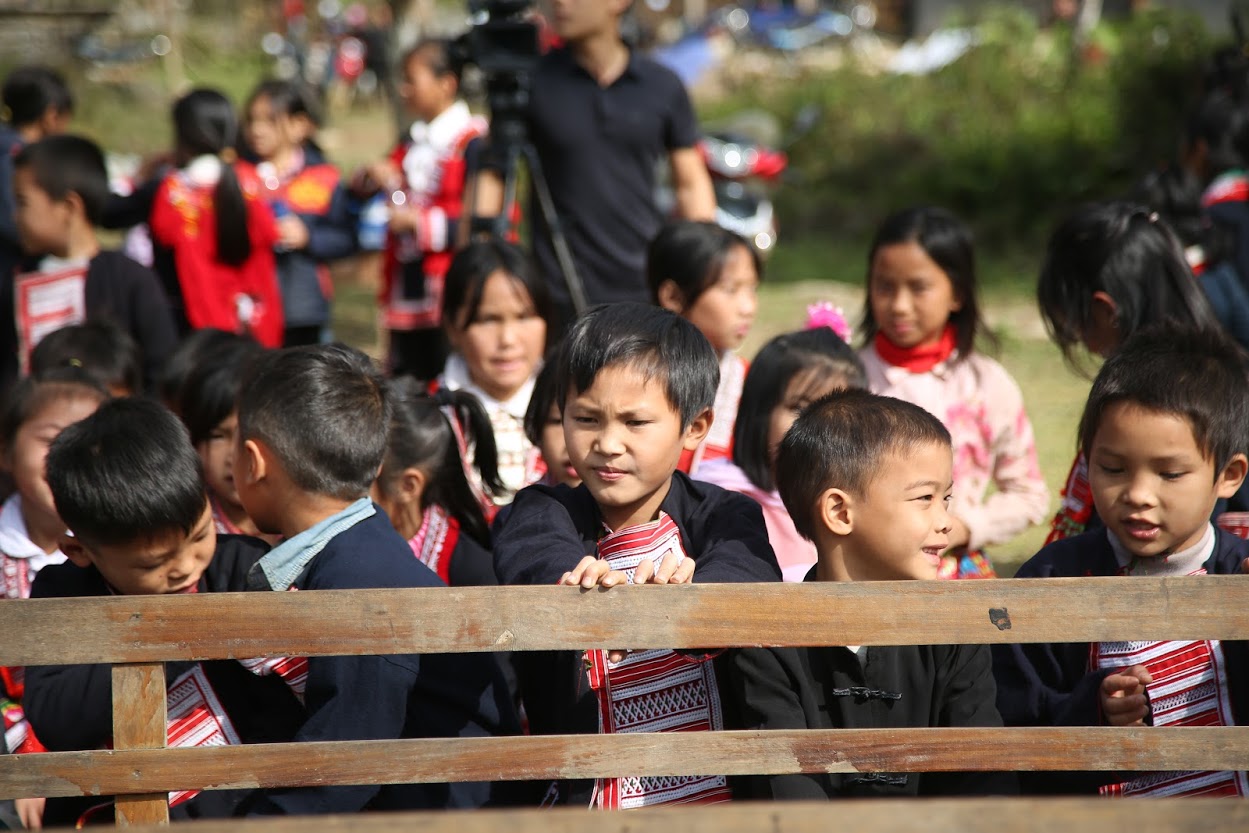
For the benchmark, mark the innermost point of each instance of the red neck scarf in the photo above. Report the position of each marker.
(920, 359)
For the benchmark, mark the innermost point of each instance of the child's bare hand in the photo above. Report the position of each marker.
(1244, 567)
(384, 175)
(404, 220)
(292, 233)
(593, 572)
(30, 811)
(672, 570)
(1124, 698)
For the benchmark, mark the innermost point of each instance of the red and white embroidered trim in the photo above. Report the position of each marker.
(1189, 689)
(653, 691)
(196, 719)
(435, 541)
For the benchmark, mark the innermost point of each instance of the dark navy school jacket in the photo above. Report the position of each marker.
(1050, 684)
(399, 696)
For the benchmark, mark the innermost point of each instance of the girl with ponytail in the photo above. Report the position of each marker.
(433, 497)
(212, 234)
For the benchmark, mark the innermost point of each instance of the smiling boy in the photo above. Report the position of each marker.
(868, 479)
(635, 384)
(1164, 433)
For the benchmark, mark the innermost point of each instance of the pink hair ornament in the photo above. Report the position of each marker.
(824, 314)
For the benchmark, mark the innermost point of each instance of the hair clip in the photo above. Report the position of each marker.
(1153, 217)
(75, 362)
(228, 156)
(824, 314)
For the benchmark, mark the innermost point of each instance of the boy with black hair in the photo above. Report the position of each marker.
(1164, 434)
(127, 483)
(635, 384)
(868, 478)
(61, 186)
(312, 427)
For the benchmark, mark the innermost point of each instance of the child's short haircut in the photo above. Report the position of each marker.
(126, 474)
(29, 91)
(1198, 375)
(198, 346)
(691, 254)
(659, 344)
(208, 395)
(840, 441)
(62, 165)
(323, 411)
(99, 347)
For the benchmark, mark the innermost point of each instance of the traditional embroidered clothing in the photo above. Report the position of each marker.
(794, 553)
(210, 703)
(719, 442)
(982, 406)
(547, 532)
(434, 163)
(1076, 511)
(520, 462)
(895, 687)
(407, 695)
(311, 190)
(20, 561)
(653, 691)
(442, 547)
(1059, 684)
(204, 291)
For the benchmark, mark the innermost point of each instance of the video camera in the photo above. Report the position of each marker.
(504, 45)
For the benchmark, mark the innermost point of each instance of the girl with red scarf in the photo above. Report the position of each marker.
(920, 325)
(213, 234)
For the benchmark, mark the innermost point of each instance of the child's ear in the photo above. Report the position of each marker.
(1103, 311)
(671, 297)
(697, 430)
(74, 551)
(835, 511)
(254, 466)
(412, 482)
(1233, 474)
(74, 200)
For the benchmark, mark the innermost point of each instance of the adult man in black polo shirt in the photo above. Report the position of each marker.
(601, 118)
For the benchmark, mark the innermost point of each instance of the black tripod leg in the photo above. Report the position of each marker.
(576, 290)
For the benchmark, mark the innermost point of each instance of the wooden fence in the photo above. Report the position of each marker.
(138, 634)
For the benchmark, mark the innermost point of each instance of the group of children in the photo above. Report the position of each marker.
(161, 448)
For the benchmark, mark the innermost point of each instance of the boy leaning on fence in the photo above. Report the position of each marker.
(1164, 433)
(635, 385)
(311, 438)
(128, 485)
(868, 479)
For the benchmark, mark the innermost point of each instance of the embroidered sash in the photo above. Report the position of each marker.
(1189, 689)
(653, 691)
(435, 541)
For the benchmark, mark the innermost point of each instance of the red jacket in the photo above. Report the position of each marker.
(215, 294)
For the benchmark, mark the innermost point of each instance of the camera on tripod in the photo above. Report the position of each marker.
(504, 46)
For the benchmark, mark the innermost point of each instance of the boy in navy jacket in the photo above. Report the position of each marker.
(635, 384)
(1163, 431)
(127, 482)
(311, 437)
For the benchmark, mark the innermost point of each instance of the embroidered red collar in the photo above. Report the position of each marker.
(920, 359)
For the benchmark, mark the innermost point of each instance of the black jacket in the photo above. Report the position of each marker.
(398, 696)
(549, 529)
(70, 706)
(1051, 684)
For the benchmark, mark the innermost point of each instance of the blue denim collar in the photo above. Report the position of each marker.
(283, 564)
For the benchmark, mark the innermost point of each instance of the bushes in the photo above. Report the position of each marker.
(1008, 136)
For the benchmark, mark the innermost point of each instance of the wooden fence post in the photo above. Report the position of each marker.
(140, 722)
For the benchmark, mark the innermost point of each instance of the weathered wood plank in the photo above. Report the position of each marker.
(140, 723)
(588, 756)
(144, 629)
(1017, 815)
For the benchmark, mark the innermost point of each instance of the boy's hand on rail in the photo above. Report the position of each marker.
(30, 811)
(1124, 698)
(593, 572)
(673, 569)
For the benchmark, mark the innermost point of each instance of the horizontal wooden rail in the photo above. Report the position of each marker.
(1000, 815)
(591, 756)
(157, 628)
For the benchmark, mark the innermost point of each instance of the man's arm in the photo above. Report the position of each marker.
(696, 199)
